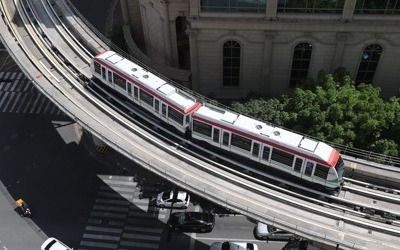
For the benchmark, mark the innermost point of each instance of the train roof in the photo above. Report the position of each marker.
(157, 86)
(276, 136)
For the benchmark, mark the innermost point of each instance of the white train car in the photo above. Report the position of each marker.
(160, 98)
(293, 153)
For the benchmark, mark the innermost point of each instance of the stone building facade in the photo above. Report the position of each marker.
(234, 47)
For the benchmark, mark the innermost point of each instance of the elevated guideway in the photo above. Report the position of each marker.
(248, 196)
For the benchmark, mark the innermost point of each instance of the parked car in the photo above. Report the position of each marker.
(192, 221)
(298, 244)
(54, 244)
(227, 245)
(165, 199)
(267, 232)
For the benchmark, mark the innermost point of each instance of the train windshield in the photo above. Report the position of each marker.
(339, 167)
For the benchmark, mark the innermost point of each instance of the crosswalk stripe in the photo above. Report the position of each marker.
(27, 106)
(113, 201)
(1, 74)
(14, 85)
(48, 105)
(140, 236)
(29, 85)
(121, 183)
(4, 98)
(108, 215)
(21, 103)
(8, 102)
(118, 189)
(34, 104)
(101, 237)
(16, 101)
(139, 244)
(144, 229)
(104, 229)
(111, 208)
(116, 195)
(98, 244)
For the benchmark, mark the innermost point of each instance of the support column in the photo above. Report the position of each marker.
(167, 33)
(194, 9)
(339, 50)
(194, 57)
(271, 10)
(125, 12)
(348, 10)
(267, 59)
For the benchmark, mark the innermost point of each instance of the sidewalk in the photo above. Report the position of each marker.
(17, 233)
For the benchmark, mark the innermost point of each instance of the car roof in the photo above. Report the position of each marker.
(54, 244)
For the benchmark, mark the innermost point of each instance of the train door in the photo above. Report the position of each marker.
(129, 88)
(255, 150)
(109, 77)
(164, 111)
(135, 93)
(298, 166)
(157, 107)
(216, 133)
(308, 171)
(226, 136)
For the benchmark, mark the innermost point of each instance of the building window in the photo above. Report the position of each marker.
(257, 6)
(310, 6)
(300, 64)
(231, 64)
(388, 7)
(368, 63)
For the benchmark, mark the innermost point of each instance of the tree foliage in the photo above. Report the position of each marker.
(333, 108)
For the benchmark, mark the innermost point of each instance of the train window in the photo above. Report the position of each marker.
(129, 88)
(241, 142)
(156, 105)
(266, 152)
(175, 115)
(309, 168)
(119, 81)
(225, 139)
(256, 149)
(103, 73)
(97, 67)
(282, 158)
(321, 171)
(163, 110)
(216, 135)
(135, 92)
(110, 76)
(146, 98)
(202, 128)
(297, 165)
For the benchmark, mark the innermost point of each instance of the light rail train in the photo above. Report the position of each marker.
(303, 157)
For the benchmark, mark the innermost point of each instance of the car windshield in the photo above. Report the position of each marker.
(271, 229)
(166, 195)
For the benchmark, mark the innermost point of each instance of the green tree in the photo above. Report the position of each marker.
(334, 109)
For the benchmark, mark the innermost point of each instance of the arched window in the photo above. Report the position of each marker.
(300, 64)
(231, 64)
(368, 63)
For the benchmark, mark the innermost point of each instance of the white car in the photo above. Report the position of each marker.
(228, 245)
(165, 199)
(54, 244)
(268, 232)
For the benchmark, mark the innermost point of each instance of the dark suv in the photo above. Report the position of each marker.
(192, 221)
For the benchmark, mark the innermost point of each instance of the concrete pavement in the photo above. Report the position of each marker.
(16, 233)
